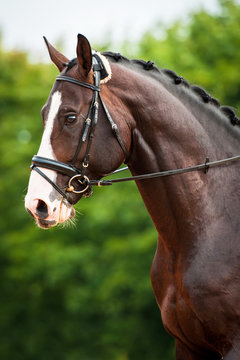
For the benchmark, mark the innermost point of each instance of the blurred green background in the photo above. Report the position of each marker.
(83, 292)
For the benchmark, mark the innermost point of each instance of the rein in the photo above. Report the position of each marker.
(78, 175)
(71, 171)
(205, 166)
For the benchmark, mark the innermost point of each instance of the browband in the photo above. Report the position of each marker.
(78, 82)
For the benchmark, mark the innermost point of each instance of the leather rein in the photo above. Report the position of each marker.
(78, 175)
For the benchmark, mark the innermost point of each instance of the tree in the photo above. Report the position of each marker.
(204, 50)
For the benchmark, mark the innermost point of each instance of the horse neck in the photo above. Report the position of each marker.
(167, 134)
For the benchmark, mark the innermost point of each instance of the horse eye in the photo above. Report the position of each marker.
(70, 119)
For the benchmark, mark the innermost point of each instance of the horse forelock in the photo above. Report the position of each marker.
(71, 64)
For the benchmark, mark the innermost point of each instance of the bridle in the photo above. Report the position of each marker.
(79, 175)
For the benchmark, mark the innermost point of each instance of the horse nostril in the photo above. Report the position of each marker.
(42, 209)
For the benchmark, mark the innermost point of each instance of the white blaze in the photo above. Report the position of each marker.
(45, 149)
(38, 187)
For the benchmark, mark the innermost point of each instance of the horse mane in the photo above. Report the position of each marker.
(177, 80)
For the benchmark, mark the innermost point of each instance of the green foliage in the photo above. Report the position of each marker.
(204, 50)
(84, 292)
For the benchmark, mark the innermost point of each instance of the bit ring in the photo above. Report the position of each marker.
(71, 187)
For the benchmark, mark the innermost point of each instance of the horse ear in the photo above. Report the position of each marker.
(84, 54)
(57, 58)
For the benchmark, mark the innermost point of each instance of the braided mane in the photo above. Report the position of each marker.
(177, 80)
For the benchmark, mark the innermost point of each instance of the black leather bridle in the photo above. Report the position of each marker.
(78, 176)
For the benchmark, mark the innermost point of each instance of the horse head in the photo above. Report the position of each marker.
(77, 144)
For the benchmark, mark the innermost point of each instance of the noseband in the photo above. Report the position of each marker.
(78, 175)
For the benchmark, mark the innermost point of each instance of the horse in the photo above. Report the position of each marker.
(105, 110)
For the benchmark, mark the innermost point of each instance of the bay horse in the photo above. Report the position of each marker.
(105, 109)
